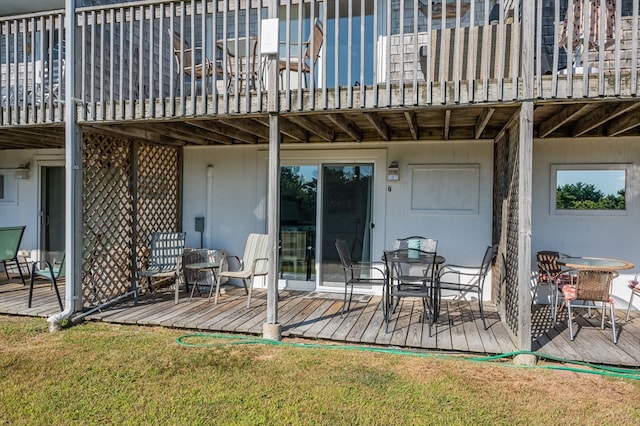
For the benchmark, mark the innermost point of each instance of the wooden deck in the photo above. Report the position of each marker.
(459, 330)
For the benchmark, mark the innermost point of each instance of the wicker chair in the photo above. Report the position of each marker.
(592, 290)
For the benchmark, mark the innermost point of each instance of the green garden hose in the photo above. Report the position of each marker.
(234, 339)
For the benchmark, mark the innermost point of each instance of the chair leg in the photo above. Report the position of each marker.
(31, 290)
(249, 290)
(633, 293)
(570, 320)
(20, 271)
(215, 300)
(613, 322)
(55, 287)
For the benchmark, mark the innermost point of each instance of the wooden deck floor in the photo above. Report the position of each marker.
(460, 327)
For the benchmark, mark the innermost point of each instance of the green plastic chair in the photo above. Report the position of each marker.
(49, 272)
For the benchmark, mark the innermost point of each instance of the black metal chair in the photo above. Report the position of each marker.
(410, 273)
(361, 274)
(467, 279)
(50, 272)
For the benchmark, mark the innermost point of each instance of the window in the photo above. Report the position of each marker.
(589, 189)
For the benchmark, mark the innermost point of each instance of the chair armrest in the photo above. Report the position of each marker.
(370, 266)
(255, 263)
(35, 267)
(225, 260)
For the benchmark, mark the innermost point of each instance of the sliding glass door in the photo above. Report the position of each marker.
(346, 214)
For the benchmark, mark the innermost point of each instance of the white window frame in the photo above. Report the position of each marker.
(627, 168)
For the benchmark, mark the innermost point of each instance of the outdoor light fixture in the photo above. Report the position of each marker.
(393, 172)
(23, 171)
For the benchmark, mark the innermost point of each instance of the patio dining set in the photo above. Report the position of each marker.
(414, 269)
(581, 282)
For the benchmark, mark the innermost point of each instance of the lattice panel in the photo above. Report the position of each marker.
(158, 196)
(107, 211)
(505, 225)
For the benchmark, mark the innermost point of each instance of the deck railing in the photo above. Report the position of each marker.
(172, 58)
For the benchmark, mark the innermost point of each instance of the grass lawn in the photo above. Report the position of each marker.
(98, 373)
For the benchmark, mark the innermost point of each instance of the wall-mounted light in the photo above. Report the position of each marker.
(393, 172)
(23, 171)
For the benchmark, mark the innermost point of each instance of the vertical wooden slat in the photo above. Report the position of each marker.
(472, 51)
(182, 56)
(92, 71)
(514, 54)
(172, 62)
(349, 55)
(112, 75)
(161, 59)
(299, 53)
(444, 55)
(388, 56)
(121, 26)
(152, 58)
(141, 64)
(193, 93)
(401, 51)
(376, 59)
(336, 65)
(556, 49)
(634, 50)
(102, 76)
(132, 27)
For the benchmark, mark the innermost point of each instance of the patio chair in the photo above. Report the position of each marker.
(410, 274)
(201, 70)
(591, 290)
(10, 239)
(312, 52)
(165, 259)
(467, 279)
(634, 285)
(51, 272)
(361, 274)
(254, 263)
(551, 274)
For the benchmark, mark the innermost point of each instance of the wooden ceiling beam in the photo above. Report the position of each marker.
(286, 128)
(482, 122)
(130, 132)
(181, 132)
(314, 126)
(600, 116)
(623, 124)
(378, 123)
(248, 125)
(559, 119)
(346, 125)
(412, 122)
(218, 131)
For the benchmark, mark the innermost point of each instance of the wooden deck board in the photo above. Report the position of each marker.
(459, 327)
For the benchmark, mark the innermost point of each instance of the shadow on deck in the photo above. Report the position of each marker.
(459, 329)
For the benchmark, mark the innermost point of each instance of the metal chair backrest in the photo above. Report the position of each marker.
(166, 247)
(344, 254)
(547, 261)
(489, 254)
(257, 247)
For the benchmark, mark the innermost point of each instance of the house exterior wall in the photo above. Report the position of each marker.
(587, 235)
(240, 193)
(24, 207)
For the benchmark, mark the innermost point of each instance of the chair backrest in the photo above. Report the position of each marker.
(10, 239)
(315, 42)
(63, 268)
(181, 52)
(416, 242)
(410, 262)
(343, 253)
(257, 248)
(594, 285)
(166, 247)
(489, 254)
(547, 262)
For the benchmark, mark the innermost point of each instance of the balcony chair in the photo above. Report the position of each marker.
(10, 239)
(254, 263)
(311, 53)
(361, 274)
(199, 71)
(635, 291)
(410, 274)
(165, 259)
(467, 279)
(591, 290)
(51, 272)
(551, 274)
